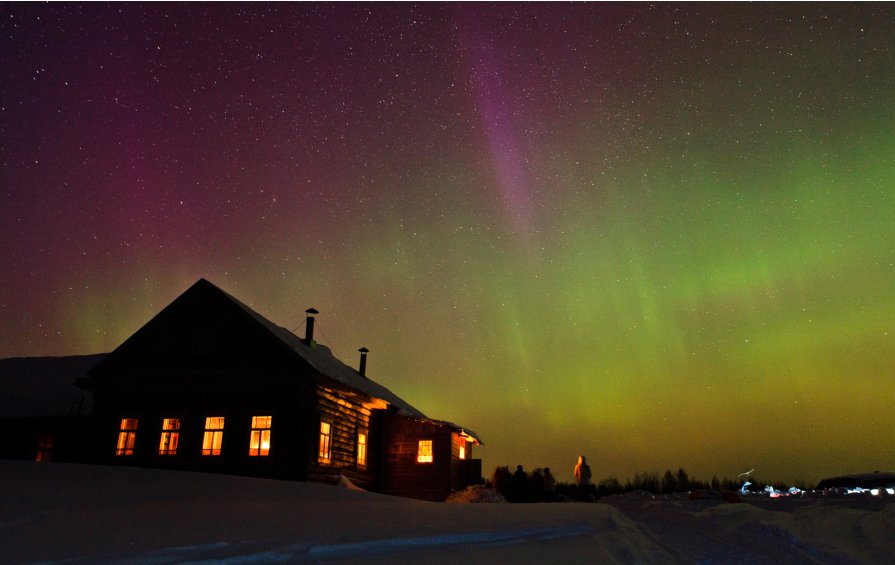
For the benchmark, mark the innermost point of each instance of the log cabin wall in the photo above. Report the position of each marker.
(402, 473)
(347, 416)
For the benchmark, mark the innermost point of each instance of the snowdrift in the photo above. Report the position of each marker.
(82, 513)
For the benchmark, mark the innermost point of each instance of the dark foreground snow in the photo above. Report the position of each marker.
(81, 513)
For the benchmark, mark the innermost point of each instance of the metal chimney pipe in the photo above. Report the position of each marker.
(309, 327)
(363, 361)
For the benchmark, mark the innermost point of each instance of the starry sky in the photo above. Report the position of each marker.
(659, 235)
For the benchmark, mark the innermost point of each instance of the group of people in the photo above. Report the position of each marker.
(540, 485)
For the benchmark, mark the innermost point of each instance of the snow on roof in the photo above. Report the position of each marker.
(460, 429)
(321, 359)
(36, 387)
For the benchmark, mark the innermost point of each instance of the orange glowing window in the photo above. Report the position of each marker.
(424, 452)
(45, 448)
(167, 444)
(259, 441)
(462, 450)
(214, 435)
(361, 448)
(127, 436)
(326, 442)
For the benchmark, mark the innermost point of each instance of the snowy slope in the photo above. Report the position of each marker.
(52, 512)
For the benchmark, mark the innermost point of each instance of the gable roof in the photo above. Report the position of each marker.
(319, 357)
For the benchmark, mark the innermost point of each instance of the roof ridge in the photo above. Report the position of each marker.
(321, 358)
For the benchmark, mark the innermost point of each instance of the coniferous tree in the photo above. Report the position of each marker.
(683, 481)
(669, 482)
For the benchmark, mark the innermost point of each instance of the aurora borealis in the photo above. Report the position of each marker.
(659, 235)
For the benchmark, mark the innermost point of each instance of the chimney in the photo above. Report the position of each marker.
(363, 361)
(309, 327)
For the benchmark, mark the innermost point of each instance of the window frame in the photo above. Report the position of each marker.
(45, 444)
(213, 437)
(172, 435)
(127, 437)
(363, 447)
(425, 451)
(325, 442)
(259, 435)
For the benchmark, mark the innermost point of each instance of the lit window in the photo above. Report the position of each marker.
(214, 435)
(361, 448)
(259, 443)
(45, 448)
(167, 445)
(127, 436)
(424, 453)
(462, 450)
(326, 442)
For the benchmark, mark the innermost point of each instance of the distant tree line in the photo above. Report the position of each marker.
(532, 488)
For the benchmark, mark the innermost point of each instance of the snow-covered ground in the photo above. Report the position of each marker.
(82, 513)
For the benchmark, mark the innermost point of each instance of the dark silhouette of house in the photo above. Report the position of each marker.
(211, 385)
(43, 416)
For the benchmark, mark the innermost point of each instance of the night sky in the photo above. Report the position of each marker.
(660, 236)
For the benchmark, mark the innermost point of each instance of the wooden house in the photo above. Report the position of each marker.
(209, 384)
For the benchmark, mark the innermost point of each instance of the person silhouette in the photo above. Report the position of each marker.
(582, 477)
(520, 485)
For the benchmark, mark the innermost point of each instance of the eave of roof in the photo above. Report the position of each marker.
(44, 387)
